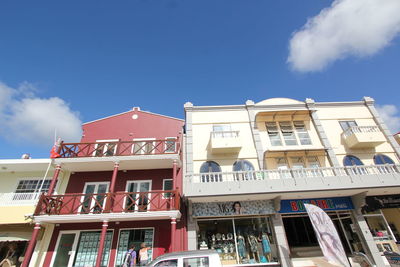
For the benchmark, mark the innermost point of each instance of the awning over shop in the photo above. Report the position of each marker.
(15, 236)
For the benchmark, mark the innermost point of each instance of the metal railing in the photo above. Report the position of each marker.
(119, 148)
(360, 129)
(225, 134)
(292, 173)
(119, 202)
(18, 199)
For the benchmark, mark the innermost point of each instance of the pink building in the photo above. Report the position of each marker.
(121, 185)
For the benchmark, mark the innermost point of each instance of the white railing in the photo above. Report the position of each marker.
(225, 134)
(360, 129)
(18, 199)
(292, 173)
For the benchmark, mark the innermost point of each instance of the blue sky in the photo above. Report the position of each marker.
(91, 59)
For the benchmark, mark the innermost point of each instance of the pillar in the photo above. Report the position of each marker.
(54, 180)
(174, 168)
(173, 233)
(256, 134)
(31, 246)
(281, 241)
(101, 244)
(114, 177)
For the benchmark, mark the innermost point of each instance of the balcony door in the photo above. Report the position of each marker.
(94, 199)
(105, 148)
(139, 197)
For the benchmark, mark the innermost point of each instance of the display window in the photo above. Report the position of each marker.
(239, 240)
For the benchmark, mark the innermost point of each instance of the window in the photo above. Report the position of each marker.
(167, 263)
(32, 186)
(139, 198)
(302, 133)
(170, 145)
(382, 159)
(347, 124)
(273, 133)
(95, 197)
(292, 133)
(352, 161)
(88, 246)
(196, 262)
(223, 130)
(167, 185)
(243, 166)
(210, 166)
(288, 133)
(313, 162)
(105, 148)
(297, 162)
(143, 146)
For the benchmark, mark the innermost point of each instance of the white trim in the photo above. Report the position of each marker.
(106, 142)
(163, 195)
(138, 228)
(165, 145)
(143, 140)
(111, 217)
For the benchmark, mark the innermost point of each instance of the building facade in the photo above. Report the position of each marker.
(122, 188)
(22, 182)
(250, 168)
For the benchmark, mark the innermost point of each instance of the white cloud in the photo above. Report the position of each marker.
(390, 114)
(347, 28)
(28, 118)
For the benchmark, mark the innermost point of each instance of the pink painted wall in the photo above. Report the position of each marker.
(123, 127)
(162, 237)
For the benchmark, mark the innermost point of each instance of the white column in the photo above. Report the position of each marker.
(282, 244)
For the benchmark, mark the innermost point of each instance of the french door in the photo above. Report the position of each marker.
(139, 197)
(65, 249)
(94, 199)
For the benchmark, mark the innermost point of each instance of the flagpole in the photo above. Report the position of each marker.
(51, 161)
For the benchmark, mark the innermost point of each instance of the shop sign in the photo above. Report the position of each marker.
(382, 202)
(230, 208)
(327, 204)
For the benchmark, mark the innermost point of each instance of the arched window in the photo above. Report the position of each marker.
(382, 159)
(242, 165)
(210, 166)
(245, 168)
(207, 167)
(352, 161)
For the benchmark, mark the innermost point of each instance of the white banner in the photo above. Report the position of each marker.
(328, 237)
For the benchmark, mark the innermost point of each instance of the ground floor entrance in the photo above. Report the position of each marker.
(78, 244)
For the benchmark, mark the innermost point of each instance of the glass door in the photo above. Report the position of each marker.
(139, 197)
(65, 250)
(95, 198)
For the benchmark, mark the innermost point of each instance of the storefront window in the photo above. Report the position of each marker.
(239, 241)
(88, 247)
(133, 237)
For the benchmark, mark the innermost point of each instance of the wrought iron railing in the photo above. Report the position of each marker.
(360, 129)
(212, 177)
(119, 202)
(119, 148)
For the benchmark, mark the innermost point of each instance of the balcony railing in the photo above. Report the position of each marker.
(119, 202)
(225, 134)
(119, 148)
(217, 177)
(361, 129)
(18, 199)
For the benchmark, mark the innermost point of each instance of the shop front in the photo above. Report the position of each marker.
(382, 214)
(241, 232)
(299, 230)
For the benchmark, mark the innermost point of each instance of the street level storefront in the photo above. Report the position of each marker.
(382, 214)
(78, 244)
(299, 230)
(240, 231)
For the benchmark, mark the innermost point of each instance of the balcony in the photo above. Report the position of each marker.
(18, 199)
(117, 206)
(225, 142)
(363, 137)
(100, 156)
(291, 180)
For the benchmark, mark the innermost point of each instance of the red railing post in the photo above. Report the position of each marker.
(31, 246)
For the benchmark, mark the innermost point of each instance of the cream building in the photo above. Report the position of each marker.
(22, 183)
(250, 168)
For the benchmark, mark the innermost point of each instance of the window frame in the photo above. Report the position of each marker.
(141, 150)
(167, 146)
(31, 179)
(106, 143)
(347, 124)
(280, 135)
(165, 196)
(384, 157)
